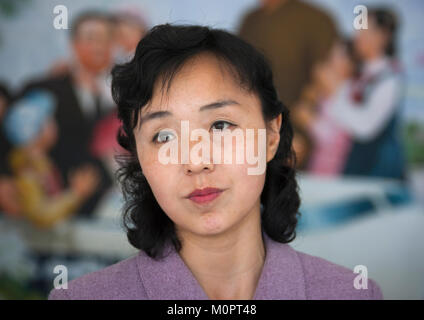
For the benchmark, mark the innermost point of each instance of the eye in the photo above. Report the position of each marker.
(222, 125)
(163, 136)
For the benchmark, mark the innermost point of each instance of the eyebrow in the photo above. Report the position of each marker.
(210, 106)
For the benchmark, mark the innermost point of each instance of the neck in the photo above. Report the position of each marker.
(374, 65)
(228, 265)
(35, 150)
(85, 78)
(373, 57)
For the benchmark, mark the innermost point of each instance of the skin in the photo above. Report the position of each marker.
(327, 78)
(83, 180)
(221, 242)
(271, 5)
(93, 45)
(127, 35)
(46, 139)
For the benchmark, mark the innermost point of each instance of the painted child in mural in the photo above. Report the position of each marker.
(367, 108)
(31, 129)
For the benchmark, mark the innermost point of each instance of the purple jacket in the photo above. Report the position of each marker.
(286, 274)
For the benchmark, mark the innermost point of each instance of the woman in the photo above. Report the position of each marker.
(369, 108)
(199, 226)
(331, 142)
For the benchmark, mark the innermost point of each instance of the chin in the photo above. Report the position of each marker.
(212, 224)
(218, 224)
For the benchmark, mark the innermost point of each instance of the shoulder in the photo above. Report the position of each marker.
(248, 21)
(316, 21)
(120, 281)
(251, 14)
(17, 159)
(21, 164)
(328, 280)
(388, 83)
(311, 10)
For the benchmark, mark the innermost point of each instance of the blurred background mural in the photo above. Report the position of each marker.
(356, 99)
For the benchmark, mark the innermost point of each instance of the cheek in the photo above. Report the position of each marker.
(361, 38)
(83, 52)
(368, 40)
(247, 178)
(246, 188)
(161, 178)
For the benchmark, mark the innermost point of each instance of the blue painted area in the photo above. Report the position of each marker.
(342, 212)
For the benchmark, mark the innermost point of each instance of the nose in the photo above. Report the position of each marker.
(194, 168)
(198, 164)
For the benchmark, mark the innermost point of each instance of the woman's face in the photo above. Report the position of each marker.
(370, 43)
(341, 62)
(48, 135)
(203, 81)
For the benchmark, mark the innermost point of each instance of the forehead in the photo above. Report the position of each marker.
(202, 79)
(372, 25)
(93, 26)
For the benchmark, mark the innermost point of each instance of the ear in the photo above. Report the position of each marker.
(273, 137)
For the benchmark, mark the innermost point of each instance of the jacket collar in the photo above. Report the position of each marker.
(170, 279)
(374, 67)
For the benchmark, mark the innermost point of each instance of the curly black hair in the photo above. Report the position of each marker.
(159, 55)
(387, 21)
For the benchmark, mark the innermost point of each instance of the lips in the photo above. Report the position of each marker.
(204, 195)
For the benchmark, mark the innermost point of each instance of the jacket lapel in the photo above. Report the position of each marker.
(282, 275)
(170, 279)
